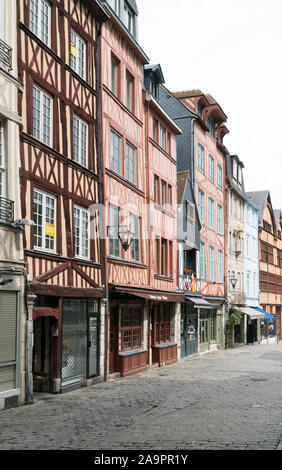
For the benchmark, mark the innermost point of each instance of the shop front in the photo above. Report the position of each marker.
(67, 343)
(142, 330)
(267, 327)
(210, 334)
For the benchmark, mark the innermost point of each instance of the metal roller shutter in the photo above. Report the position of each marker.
(8, 339)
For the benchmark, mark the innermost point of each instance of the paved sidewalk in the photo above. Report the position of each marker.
(229, 399)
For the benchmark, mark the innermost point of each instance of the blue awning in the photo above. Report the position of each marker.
(267, 316)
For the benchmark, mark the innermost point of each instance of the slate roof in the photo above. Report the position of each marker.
(259, 199)
(181, 184)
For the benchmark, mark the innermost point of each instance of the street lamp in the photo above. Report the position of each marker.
(233, 281)
(125, 236)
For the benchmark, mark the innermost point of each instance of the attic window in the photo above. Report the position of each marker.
(129, 19)
(210, 124)
(199, 110)
(154, 88)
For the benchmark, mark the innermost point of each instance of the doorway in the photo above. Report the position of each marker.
(113, 341)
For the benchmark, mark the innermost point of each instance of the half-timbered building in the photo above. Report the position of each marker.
(141, 294)
(61, 185)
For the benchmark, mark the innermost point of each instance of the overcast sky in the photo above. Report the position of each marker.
(231, 49)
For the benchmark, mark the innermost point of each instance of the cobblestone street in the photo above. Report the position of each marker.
(229, 399)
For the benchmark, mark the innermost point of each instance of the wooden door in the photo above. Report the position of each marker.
(113, 341)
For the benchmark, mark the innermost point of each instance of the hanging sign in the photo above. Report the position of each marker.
(50, 229)
(73, 50)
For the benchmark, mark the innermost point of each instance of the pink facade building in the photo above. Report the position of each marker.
(139, 147)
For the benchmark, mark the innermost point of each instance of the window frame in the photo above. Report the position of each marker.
(201, 207)
(202, 261)
(211, 168)
(113, 158)
(75, 61)
(219, 219)
(37, 29)
(212, 264)
(114, 242)
(201, 158)
(81, 210)
(80, 159)
(129, 146)
(42, 94)
(219, 179)
(220, 266)
(135, 221)
(43, 236)
(211, 213)
(131, 327)
(129, 91)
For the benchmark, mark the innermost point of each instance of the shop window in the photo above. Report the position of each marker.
(131, 328)
(162, 324)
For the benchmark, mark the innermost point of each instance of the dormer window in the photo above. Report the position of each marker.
(199, 110)
(210, 124)
(115, 4)
(129, 19)
(154, 88)
(239, 175)
(235, 169)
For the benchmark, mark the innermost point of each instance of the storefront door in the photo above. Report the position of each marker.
(74, 341)
(113, 341)
(93, 346)
(189, 324)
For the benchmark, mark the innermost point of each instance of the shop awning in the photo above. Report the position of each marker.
(251, 312)
(198, 301)
(157, 296)
(267, 316)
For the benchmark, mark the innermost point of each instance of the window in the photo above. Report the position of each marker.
(219, 220)
(157, 255)
(131, 328)
(81, 232)
(129, 91)
(44, 216)
(115, 152)
(156, 189)
(169, 195)
(220, 266)
(248, 284)
(202, 261)
(78, 54)
(115, 4)
(211, 213)
(199, 110)
(115, 76)
(114, 222)
(130, 163)
(212, 264)
(162, 137)
(80, 141)
(2, 162)
(163, 193)
(201, 205)
(240, 175)
(211, 168)
(238, 284)
(201, 158)
(154, 88)
(163, 257)
(42, 116)
(40, 19)
(135, 244)
(162, 323)
(210, 124)
(168, 143)
(219, 177)
(129, 19)
(155, 130)
(234, 170)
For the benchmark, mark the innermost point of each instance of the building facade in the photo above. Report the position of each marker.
(13, 324)
(201, 151)
(59, 65)
(139, 158)
(235, 251)
(270, 274)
